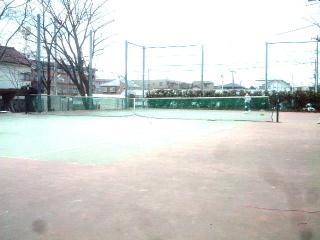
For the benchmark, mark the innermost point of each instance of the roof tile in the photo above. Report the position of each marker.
(11, 55)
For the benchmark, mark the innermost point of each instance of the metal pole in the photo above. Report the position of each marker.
(149, 80)
(90, 66)
(266, 76)
(317, 66)
(55, 72)
(38, 64)
(90, 72)
(202, 66)
(232, 72)
(315, 72)
(278, 106)
(126, 74)
(143, 68)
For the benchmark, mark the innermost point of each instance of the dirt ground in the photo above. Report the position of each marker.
(252, 181)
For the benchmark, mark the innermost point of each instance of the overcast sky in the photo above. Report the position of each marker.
(233, 34)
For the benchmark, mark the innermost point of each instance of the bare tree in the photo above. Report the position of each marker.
(13, 74)
(69, 43)
(13, 13)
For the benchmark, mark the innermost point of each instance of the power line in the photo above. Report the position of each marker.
(297, 29)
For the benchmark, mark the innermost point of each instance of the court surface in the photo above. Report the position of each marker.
(65, 177)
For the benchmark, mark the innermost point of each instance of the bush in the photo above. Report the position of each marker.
(289, 101)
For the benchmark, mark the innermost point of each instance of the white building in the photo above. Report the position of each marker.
(15, 70)
(275, 85)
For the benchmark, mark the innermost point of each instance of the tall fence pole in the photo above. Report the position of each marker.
(266, 76)
(55, 72)
(202, 67)
(126, 74)
(39, 87)
(90, 66)
(317, 66)
(90, 73)
(143, 68)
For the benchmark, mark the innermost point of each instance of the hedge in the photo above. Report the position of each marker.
(289, 101)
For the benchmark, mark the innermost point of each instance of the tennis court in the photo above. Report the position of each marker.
(91, 177)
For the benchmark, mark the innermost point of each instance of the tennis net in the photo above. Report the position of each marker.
(204, 108)
(197, 108)
(80, 106)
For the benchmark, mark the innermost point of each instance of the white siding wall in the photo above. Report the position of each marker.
(10, 76)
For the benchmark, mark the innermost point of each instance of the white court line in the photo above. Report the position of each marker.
(60, 150)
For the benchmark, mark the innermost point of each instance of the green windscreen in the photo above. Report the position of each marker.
(200, 108)
(214, 103)
(210, 108)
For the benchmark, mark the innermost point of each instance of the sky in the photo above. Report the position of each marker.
(233, 33)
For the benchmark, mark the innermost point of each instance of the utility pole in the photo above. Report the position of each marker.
(232, 72)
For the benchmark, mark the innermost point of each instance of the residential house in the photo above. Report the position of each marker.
(274, 85)
(150, 85)
(229, 87)
(304, 88)
(207, 85)
(117, 87)
(98, 82)
(113, 87)
(15, 73)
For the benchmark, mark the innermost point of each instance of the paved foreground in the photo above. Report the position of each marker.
(253, 181)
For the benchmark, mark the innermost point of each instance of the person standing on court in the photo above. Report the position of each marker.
(247, 102)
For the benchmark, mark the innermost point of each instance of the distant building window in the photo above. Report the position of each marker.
(73, 90)
(112, 89)
(61, 78)
(25, 77)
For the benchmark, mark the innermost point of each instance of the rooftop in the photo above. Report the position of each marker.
(11, 55)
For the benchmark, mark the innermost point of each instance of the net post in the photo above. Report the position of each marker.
(134, 106)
